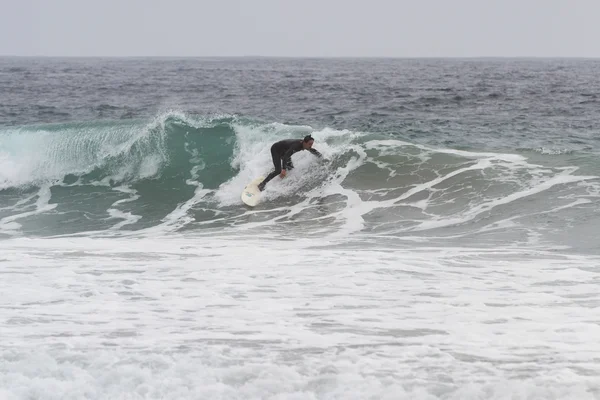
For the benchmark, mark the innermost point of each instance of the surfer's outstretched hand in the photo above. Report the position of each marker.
(282, 174)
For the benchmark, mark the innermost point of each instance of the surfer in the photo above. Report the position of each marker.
(282, 156)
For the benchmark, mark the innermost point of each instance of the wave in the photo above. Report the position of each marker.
(185, 173)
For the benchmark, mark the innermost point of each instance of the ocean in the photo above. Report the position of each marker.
(447, 246)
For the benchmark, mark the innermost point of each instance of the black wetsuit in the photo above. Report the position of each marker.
(282, 157)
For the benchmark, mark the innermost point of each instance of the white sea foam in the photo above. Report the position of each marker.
(208, 317)
(127, 217)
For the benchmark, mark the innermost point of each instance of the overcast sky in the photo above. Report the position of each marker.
(329, 28)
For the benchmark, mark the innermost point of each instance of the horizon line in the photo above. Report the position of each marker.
(296, 57)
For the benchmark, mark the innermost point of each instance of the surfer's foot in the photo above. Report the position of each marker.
(261, 187)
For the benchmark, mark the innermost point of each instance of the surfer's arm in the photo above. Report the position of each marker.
(286, 157)
(315, 152)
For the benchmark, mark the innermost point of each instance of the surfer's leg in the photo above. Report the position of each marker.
(277, 165)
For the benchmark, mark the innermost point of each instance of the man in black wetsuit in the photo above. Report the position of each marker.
(282, 156)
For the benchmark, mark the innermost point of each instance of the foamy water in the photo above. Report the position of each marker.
(194, 318)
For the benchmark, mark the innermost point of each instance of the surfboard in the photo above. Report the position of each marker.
(251, 195)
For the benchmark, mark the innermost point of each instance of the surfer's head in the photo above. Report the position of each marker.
(307, 142)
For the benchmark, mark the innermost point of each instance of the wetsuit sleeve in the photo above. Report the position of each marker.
(286, 157)
(315, 152)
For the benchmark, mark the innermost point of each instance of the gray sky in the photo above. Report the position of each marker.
(330, 28)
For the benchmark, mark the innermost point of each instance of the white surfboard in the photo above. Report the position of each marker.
(251, 194)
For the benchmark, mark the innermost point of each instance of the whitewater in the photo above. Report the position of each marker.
(402, 265)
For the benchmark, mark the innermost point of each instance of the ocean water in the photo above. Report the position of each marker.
(447, 247)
